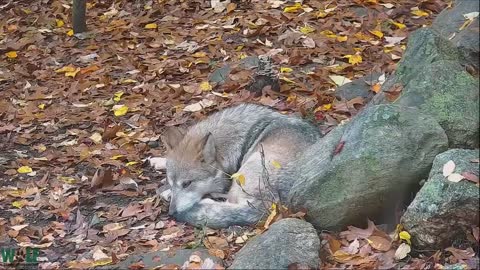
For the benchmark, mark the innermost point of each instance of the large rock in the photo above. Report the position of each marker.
(358, 88)
(288, 241)
(360, 169)
(444, 211)
(449, 24)
(432, 78)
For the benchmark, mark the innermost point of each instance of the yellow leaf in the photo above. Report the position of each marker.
(117, 96)
(399, 25)
(354, 59)
(285, 70)
(65, 69)
(117, 157)
(418, 12)
(404, 235)
(377, 33)
(240, 178)
(24, 169)
(151, 26)
(199, 54)
(101, 262)
(120, 110)
(326, 107)
(41, 106)
(363, 37)
(242, 56)
(205, 86)
(291, 98)
(342, 38)
(19, 204)
(328, 33)
(72, 73)
(293, 9)
(60, 23)
(271, 216)
(239, 47)
(307, 29)
(66, 179)
(131, 163)
(321, 14)
(11, 54)
(286, 80)
(276, 164)
(125, 81)
(70, 33)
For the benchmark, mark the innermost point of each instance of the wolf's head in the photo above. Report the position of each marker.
(193, 169)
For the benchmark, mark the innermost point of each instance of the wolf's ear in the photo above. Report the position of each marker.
(209, 151)
(173, 136)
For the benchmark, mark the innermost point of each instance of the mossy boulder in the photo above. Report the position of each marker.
(443, 212)
(363, 168)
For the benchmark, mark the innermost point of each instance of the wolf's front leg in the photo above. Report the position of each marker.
(215, 214)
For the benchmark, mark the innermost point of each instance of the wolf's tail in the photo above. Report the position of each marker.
(215, 214)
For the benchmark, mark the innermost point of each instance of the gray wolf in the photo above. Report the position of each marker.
(250, 140)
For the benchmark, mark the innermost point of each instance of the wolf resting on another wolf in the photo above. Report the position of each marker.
(246, 139)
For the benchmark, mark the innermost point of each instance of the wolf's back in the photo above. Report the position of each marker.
(237, 130)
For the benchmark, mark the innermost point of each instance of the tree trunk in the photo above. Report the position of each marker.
(78, 15)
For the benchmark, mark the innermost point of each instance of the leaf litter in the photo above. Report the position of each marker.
(80, 114)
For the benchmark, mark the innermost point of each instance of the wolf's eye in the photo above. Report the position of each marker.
(186, 184)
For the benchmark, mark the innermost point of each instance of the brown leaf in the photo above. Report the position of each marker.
(471, 177)
(379, 243)
(102, 178)
(394, 92)
(110, 132)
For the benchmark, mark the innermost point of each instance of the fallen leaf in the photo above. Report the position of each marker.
(402, 251)
(59, 23)
(379, 243)
(151, 26)
(293, 9)
(195, 107)
(448, 168)
(418, 12)
(24, 169)
(120, 110)
(240, 178)
(404, 235)
(455, 177)
(354, 59)
(471, 177)
(205, 86)
(11, 54)
(376, 33)
(339, 80)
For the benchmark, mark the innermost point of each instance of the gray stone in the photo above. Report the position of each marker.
(220, 75)
(358, 88)
(154, 259)
(450, 94)
(467, 41)
(443, 211)
(449, 22)
(286, 242)
(360, 169)
(433, 79)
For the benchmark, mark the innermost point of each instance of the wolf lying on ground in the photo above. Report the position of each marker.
(246, 139)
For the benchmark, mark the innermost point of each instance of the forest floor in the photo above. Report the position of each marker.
(79, 114)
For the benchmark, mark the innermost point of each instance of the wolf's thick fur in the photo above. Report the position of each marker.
(201, 158)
